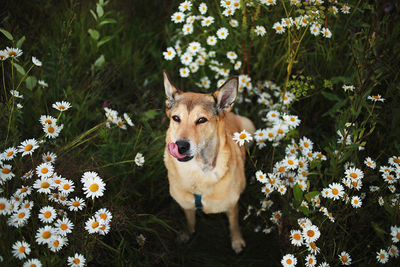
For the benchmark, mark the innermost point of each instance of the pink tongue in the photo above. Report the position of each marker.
(173, 150)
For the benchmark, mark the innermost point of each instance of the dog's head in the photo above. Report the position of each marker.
(194, 118)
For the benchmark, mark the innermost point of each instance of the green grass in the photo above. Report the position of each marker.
(131, 81)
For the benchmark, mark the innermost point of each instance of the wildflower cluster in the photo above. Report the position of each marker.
(206, 38)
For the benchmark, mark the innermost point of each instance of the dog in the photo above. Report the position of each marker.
(205, 166)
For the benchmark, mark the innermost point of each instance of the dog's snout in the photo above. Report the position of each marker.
(183, 146)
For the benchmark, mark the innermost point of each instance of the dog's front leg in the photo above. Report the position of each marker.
(237, 240)
(191, 222)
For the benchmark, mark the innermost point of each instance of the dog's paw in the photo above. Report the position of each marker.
(238, 245)
(183, 237)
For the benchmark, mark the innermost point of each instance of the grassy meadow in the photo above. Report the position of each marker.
(106, 59)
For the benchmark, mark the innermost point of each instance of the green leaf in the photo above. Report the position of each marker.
(107, 21)
(7, 34)
(330, 96)
(94, 34)
(310, 195)
(298, 195)
(30, 82)
(104, 40)
(21, 41)
(19, 68)
(100, 61)
(305, 210)
(99, 10)
(93, 14)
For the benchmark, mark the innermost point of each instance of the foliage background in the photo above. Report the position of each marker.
(131, 80)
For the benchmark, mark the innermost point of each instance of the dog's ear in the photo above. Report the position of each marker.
(226, 95)
(170, 90)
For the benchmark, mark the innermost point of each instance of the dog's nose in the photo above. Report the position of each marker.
(183, 146)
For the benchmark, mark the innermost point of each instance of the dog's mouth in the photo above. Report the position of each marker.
(174, 151)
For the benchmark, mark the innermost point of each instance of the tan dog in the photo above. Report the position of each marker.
(205, 166)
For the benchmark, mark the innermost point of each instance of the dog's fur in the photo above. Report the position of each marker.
(214, 164)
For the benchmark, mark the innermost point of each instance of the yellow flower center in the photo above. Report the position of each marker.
(2, 206)
(94, 187)
(242, 136)
(51, 129)
(281, 169)
(396, 160)
(297, 236)
(270, 135)
(313, 245)
(291, 162)
(356, 201)
(46, 235)
(335, 191)
(353, 175)
(6, 170)
(66, 186)
(9, 154)
(63, 226)
(45, 170)
(76, 261)
(289, 261)
(22, 249)
(280, 131)
(95, 225)
(12, 54)
(28, 147)
(344, 258)
(47, 214)
(309, 154)
(398, 235)
(62, 107)
(24, 189)
(310, 233)
(56, 243)
(45, 185)
(48, 121)
(27, 205)
(103, 216)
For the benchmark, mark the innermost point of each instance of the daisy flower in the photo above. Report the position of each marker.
(27, 204)
(45, 234)
(57, 243)
(261, 177)
(315, 29)
(370, 163)
(381, 202)
(78, 260)
(28, 146)
(345, 9)
(43, 185)
(326, 32)
(16, 93)
(207, 21)
(104, 215)
(382, 256)
(231, 55)
(311, 233)
(202, 8)
(336, 191)
(178, 17)
(36, 61)
(186, 5)
(66, 186)
(187, 29)
(76, 204)
(237, 65)
(186, 58)
(288, 260)
(194, 67)
(296, 238)
(184, 72)
(47, 214)
(312, 248)
(334, 10)
(211, 40)
(393, 251)
(345, 258)
(92, 225)
(311, 260)
(13, 52)
(260, 30)
(45, 170)
(205, 82)
(395, 233)
(52, 131)
(121, 124)
(49, 157)
(3, 55)
(394, 161)
(139, 159)
(234, 23)
(21, 249)
(228, 12)
(292, 120)
(20, 217)
(190, 19)
(62, 106)
(32, 263)
(5, 173)
(354, 173)
(141, 240)
(222, 33)
(47, 120)
(94, 188)
(169, 54)
(242, 137)
(282, 189)
(290, 162)
(43, 83)
(4, 206)
(24, 191)
(278, 28)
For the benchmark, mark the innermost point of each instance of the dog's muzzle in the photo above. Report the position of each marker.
(180, 150)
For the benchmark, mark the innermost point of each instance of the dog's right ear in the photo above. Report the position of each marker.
(170, 91)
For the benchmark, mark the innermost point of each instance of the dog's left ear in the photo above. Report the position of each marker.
(226, 94)
(170, 90)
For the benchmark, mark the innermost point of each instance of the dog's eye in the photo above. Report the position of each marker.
(201, 120)
(176, 118)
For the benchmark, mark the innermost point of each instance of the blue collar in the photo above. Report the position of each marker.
(197, 202)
